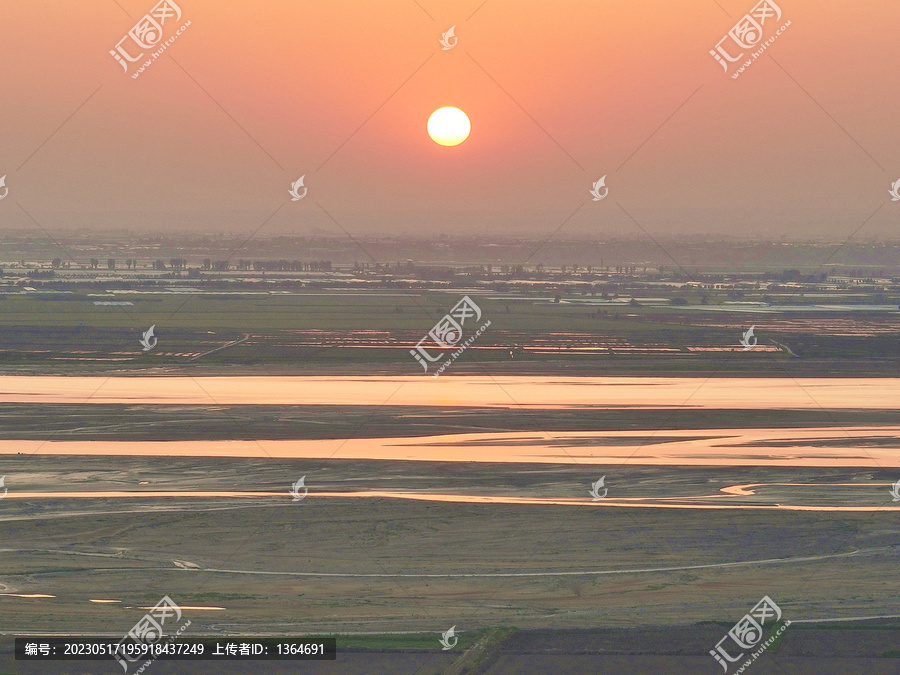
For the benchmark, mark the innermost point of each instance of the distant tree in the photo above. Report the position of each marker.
(111, 264)
(56, 263)
(679, 301)
(94, 263)
(207, 263)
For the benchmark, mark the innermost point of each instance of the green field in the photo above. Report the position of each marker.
(326, 329)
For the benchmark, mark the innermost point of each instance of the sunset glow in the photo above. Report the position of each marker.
(362, 322)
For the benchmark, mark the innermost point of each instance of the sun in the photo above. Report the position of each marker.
(449, 126)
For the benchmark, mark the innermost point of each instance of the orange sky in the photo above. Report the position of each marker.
(265, 92)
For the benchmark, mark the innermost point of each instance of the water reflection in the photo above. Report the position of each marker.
(500, 391)
(874, 447)
(733, 492)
